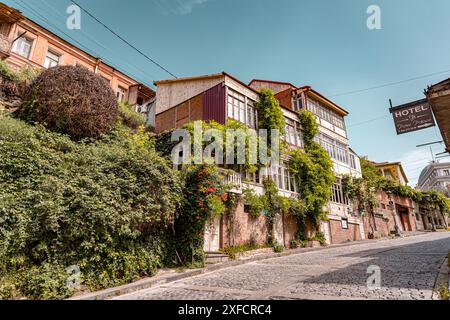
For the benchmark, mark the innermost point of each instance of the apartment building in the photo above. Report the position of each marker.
(25, 43)
(435, 176)
(220, 97)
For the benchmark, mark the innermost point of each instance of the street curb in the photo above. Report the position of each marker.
(155, 281)
(442, 280)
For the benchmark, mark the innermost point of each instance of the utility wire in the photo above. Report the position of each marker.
(134, 67)
(41, 17)
(124, 40)
(389, 84)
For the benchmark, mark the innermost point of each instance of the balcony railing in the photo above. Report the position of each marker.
(5, 44)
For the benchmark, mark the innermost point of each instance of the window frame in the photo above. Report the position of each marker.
(15, 48)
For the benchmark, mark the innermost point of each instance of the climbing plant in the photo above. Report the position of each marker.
(270, 116)
(313, 169)
(365, 190)
(205, 196)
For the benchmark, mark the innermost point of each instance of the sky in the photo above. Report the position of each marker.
(321, 43)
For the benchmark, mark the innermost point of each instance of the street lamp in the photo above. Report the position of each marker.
(394, 213)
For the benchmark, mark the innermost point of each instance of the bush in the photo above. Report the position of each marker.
(278, 248)
(130, 118)
(105, 207)
(23, 75)
(71, 100)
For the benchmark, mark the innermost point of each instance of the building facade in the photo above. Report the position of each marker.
(220, 97)
(435, 176)
(25, 43)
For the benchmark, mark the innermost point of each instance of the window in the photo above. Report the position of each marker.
(51, 60)
(337, 150)
(337, 193)
(284, 180)
(326, 114)
(236, 106)
(121, 94)
(242, 109)
(353, 161)
(446, 172)
(344, 223)
(22, 47)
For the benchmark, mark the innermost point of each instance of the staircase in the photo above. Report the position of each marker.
(216, 257)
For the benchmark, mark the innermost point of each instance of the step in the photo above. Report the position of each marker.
(216, 257)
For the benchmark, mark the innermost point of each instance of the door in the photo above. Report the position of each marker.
(325, 229)
(212, 235)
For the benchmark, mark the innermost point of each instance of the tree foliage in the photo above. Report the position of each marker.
(71, 100)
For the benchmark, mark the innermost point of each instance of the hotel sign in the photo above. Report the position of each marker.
(413, 116)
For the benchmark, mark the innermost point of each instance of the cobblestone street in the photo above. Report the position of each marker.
(409, 267)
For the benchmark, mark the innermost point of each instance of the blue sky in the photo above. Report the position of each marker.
(322, 43)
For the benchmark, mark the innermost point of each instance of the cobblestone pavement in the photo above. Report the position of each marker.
(409, 267)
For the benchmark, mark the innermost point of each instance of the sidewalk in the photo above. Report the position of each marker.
(170, 275)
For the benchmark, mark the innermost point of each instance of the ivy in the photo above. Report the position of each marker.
(365, 190)
(254, 202)
(270, 115)
(205, 197)
(313, 169)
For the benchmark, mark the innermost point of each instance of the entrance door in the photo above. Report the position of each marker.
(325, 229)
(212, 235)
(405, 222)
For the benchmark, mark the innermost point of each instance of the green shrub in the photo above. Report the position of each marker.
(105, 207)
(130, 118)
(254, 202)
(71, 100)
(278, 248)
(25, 74)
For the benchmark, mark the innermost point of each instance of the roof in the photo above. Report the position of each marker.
(271, 81)
(203, 77)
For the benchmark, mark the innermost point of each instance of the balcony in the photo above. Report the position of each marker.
(5, 46)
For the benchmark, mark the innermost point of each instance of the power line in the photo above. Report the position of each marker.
(389, 84)
(137, 69)
(124, 40)
(41, 17)
(368, 121)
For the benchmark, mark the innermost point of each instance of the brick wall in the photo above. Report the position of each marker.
(188, 111)
(340, 235)
(239, 228)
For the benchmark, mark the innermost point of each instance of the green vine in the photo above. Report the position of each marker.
(313, 169)
(365, 190)
(205, 196)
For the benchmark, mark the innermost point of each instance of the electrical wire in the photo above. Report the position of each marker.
(124, 40)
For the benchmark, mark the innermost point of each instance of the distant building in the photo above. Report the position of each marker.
(25, 43)
(435, 176)
(392, 171)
